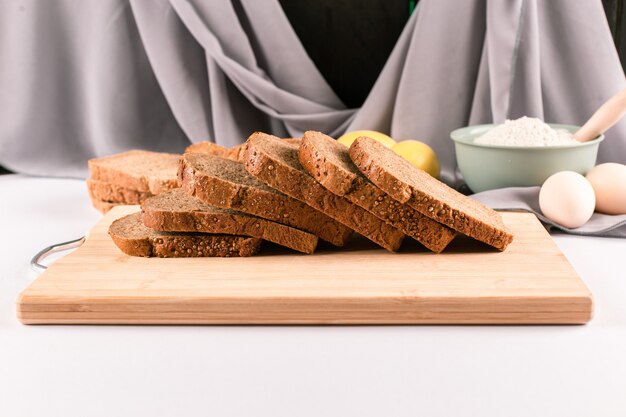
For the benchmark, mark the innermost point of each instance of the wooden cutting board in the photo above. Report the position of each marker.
(531, 282)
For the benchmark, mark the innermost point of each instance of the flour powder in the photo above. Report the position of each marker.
(526, 131)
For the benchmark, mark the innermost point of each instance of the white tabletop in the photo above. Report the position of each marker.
(297, 370)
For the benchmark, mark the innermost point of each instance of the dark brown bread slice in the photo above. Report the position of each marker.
(139, 170)
(105, 191)
(409, 185)
(328, 161)
(175, 211)
(208, 148)
(135, 239)
(275, 162)
(211, 148)
(292, 141)
(235, 153)
(225, 183)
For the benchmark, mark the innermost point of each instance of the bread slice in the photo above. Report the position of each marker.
(135, 239)
(276, 163)
(235, 153)
(412, 186)
(208, 148)
(105, 191)
(211, 148)
(292, 141)
(328, 161)
(225, 183)
(100, 205)
(145, 171)
(175, 211)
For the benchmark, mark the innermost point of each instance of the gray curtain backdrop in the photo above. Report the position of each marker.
(86, 78)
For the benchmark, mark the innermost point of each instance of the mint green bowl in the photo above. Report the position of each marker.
(487, 167)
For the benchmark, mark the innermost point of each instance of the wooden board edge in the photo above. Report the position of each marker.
(569, 310)
(521, 320)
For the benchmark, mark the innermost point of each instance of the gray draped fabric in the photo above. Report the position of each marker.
(75, 82)
(85, 78)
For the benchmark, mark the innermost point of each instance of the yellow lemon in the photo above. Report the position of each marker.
(419, 155)
(350, 137)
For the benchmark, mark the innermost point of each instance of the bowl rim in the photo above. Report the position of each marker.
(456, 136)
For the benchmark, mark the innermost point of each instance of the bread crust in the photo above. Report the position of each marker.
(409, 185)
(134, 239)
(276, 163)
(175, 211)
(329, 163)
(255, 198)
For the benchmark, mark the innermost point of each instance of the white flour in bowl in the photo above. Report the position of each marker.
(526, 131)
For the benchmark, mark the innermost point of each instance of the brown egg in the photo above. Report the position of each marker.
(609, 184)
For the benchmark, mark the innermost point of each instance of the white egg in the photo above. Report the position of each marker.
(567, 198)
(609, 183)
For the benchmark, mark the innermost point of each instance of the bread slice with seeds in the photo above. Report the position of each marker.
(328, 161)
(114, 193)
(145, 171)
(211, 148)
(412, 186)
(235, 153)
(225, 183)
(175, 211)
(135, 239)
(276, 163)
(207, 147)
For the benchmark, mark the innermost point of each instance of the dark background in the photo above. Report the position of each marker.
(350, 40)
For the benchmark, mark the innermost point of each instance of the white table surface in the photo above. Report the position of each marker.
(297, 370)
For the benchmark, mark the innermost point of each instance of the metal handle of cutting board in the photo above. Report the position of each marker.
(35, 262)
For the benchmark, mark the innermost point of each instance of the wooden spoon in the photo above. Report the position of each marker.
(604, 118)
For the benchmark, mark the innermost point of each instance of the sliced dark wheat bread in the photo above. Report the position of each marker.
(211, 148)
(275, 162)
(409, 185)
(175, 211)
(135, 239)
(145, 171)
(105, 191)
(328, 161)
(235, 153)
(226, 184)
(207, 147)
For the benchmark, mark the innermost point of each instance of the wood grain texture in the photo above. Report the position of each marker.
(470, 283)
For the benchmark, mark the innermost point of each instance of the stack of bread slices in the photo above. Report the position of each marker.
(213, 201)
(130, 178)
